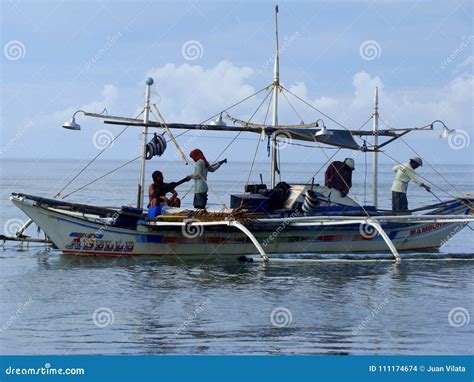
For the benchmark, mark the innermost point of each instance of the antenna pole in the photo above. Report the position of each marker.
(276, 87)
(375, 159)
(141, 182)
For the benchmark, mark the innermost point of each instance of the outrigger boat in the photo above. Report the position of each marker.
(281, 218)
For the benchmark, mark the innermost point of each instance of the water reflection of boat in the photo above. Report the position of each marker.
(280, 218)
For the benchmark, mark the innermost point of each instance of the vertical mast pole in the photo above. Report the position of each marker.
(141, 182)
(276, 86)
(375, 159)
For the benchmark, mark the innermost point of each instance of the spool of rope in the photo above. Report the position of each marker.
(156, 146)
(311, 202)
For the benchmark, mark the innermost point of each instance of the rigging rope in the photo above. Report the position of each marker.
(313, 107)
(339, 149)
(291, 105)
(278, 167)
(259, 140)
(165, 127)
(224, 110)
(365, 179)
(434, 169)
(93, 159)
(101, 177)
(365, 123)
(240, 132)
(311, 146)
(232, 141)
(429, 164)
(126, 127)
(354, 196)
(420, 176)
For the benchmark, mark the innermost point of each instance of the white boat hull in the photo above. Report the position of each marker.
(78, 235)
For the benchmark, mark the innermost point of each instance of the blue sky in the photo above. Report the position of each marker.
(62, 56)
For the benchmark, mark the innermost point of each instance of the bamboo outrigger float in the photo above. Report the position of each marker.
(294, 219)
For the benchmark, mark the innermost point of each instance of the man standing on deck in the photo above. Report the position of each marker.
(403, 174)
(338, 176)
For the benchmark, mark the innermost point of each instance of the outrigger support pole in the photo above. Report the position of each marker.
(229, 223)
(377, 226)
(23, 228)
(251, 237)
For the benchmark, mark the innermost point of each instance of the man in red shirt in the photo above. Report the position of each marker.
(339, 176)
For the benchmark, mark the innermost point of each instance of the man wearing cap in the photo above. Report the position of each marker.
(338, 176)
(403, 174)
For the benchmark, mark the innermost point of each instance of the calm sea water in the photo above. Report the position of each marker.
(56, 304)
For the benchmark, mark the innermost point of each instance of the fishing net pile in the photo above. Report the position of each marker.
(207, 216)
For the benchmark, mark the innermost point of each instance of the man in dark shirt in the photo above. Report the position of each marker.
(339, 176)
(158, 190)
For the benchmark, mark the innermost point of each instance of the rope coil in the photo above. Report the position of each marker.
(156, 147)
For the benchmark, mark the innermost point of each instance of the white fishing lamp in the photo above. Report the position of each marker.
(218, 121)
(446, 131)
(72, 124)
(324, 132)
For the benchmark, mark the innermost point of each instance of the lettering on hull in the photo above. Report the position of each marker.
(428, 228)
(92, 242)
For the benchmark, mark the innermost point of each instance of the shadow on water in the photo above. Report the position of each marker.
(324, 272)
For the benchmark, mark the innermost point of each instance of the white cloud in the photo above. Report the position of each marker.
(467, 63)
(402, 108)
(190, 93)
(324, 103)
(364, 86)
(37, 133)
(110, 94)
